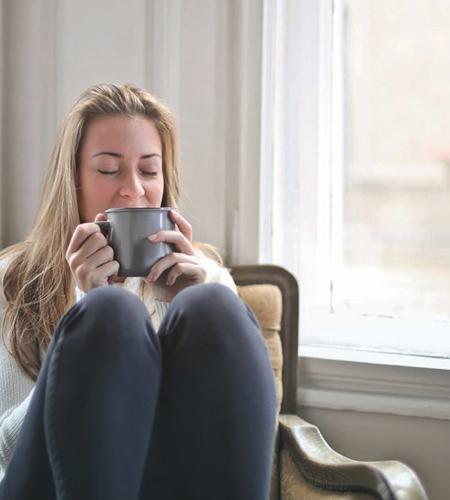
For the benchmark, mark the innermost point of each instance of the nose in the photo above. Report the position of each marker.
(132, 187)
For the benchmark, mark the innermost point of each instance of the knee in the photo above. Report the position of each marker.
(213, 308)
(107, 340)
(112, 301)
(209, 329)
(110, 312)
(208, 300)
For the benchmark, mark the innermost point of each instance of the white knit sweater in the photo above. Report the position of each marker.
(16, 389)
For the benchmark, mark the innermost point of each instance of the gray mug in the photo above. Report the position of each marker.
(127, 231)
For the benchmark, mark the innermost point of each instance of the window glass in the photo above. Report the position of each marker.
(392, 249)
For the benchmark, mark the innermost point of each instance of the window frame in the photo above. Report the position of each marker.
(319, 213)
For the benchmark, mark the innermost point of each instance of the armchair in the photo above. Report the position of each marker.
(305, 467)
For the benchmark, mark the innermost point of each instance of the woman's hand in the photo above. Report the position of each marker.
(180, 269)
(90, 258)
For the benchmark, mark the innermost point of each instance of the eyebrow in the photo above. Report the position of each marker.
(117, 155)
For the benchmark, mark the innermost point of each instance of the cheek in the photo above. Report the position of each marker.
(93, 197)
(92, 192)
(154, 192)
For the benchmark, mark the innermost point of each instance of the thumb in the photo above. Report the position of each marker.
(101, 216)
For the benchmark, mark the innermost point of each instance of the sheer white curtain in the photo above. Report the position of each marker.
(291, 150)
(28, 110)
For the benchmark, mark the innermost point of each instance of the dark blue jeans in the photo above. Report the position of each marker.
(122, 413)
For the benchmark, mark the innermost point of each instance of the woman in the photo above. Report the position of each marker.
(165, 392)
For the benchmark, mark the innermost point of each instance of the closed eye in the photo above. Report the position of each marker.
(150, 174)
(107, 172)
(153, 173)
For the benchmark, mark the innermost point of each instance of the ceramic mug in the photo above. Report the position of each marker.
(127, 231)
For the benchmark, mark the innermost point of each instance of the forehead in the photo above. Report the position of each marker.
(129, 134)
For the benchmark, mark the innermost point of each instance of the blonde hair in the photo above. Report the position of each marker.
(38, 284)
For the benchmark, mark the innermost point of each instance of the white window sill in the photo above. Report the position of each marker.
(376, 358)
(342, 379)
(406, 339)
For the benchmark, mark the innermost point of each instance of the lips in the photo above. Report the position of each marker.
(120, 205)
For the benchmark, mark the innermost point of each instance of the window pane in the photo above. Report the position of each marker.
(394, 244)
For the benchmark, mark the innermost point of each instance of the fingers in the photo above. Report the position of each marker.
(182, 263)
(89, 257)
(176, 238)
(193, 272)
(96, 276)
(101, 217)
(97, 259)
(181, 239)
(167, 262)
(105, 273)
(90, 246)
(183, 225)
(80, 235)
(95, 269)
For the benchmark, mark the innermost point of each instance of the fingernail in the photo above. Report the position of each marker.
(153, 237)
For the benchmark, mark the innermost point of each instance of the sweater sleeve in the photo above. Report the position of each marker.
(216, 273)
(16, 390)
(10, 426)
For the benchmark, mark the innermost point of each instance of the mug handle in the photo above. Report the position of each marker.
(105, 228)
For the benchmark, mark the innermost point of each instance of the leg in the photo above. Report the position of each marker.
(88, 427)
(215, 424)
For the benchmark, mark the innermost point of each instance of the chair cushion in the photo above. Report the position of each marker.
(266, 303)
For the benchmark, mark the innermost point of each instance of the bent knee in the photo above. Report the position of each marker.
(114, 311)
(213, 308)
(107, 299)
(208, 298)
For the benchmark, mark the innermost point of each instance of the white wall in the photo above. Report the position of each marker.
(53, 50)
(28, 109)
(1, 121)
(422, 443)
(203, 57)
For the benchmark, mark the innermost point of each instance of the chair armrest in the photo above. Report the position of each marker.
(324, 468)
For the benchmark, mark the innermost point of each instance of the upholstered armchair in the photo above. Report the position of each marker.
(305, 467)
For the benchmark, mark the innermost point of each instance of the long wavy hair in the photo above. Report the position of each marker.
(38, 284)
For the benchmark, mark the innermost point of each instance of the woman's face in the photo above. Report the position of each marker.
(120, 165)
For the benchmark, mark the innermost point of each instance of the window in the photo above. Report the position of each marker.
(361, 169)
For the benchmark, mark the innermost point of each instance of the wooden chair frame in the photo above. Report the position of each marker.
(319, 466)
